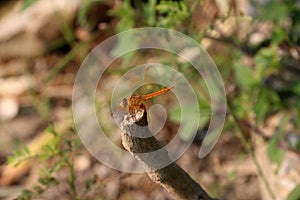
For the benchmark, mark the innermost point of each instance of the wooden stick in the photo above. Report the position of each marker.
(172, 177)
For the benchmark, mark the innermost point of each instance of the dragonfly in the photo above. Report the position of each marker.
(135, 103)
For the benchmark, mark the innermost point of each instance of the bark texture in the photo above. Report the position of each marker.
(139, 141)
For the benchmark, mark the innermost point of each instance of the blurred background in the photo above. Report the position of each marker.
(255, 45)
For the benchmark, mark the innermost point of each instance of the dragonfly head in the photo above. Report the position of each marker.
(124, 103)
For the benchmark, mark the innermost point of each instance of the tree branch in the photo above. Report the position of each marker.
(139, 141)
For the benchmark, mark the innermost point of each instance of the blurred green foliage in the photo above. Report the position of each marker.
(266, 85)
(260, 86)
(295, 194)
(61, 148)
(254, 92)
(28, 3)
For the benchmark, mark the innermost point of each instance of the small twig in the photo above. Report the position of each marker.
(172, 177)
(250, 150)
(242, 47)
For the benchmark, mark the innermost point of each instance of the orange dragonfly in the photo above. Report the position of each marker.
(135, 103)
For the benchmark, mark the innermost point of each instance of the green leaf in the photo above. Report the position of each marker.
(11, 160)
(26, 150)
(296, 88)
(43, 181)
(18, 153)
(261, 106)
(38, 189)
(67, 32)
(172, 13)
(294, 194)
(242, 105)
(127, 15)
(268, 52)
(27, 4)
(82, 15)
(231, 176)
(68, 142)
(279, 35)
(57, 166)
(275, 11)
(244, 75)
(149, 12)
(266, 62)
(267, 102)
(51, 130)
(275, 153)
(26, 194)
